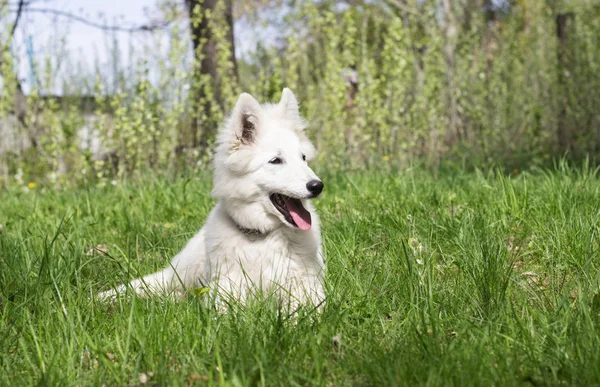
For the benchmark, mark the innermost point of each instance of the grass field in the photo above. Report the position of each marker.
(470, 278)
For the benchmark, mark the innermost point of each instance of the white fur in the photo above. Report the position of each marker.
(283, 259)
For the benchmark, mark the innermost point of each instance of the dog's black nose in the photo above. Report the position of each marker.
(315, 187)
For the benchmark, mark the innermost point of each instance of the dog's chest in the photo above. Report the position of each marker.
(271, 258)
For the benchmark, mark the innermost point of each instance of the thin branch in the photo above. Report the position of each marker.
(19, 12)
(90, 23)
(29, 2)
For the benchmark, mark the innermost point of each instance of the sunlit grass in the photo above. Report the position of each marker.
(473, 278)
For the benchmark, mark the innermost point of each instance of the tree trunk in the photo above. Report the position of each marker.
(564, 130)
(470, 8)
(489, 11)
(206, 49)
(449, 31)
(20, 100)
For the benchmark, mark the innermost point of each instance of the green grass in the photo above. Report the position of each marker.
(470, 278)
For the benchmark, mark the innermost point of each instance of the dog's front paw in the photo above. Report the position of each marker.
(110, 295)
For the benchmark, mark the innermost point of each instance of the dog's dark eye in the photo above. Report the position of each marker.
(276, 160)
(303, 157)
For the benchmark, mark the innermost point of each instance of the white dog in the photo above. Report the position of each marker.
(263, 234)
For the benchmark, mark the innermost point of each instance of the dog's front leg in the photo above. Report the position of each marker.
(161, 282)
(305, 291)
(185, 270)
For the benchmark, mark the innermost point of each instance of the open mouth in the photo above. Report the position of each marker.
(292, 210)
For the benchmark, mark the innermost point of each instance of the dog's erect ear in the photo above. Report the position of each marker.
(289, 103)
(289, 106)
(245, 118)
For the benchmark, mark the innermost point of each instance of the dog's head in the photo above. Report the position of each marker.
(261, 165)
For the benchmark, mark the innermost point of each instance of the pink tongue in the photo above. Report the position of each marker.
(299, 214)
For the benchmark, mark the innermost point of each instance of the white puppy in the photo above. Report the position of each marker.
(263, 234)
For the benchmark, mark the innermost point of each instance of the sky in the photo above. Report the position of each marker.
(76, 48)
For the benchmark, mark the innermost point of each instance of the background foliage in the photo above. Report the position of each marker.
(473, 82)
